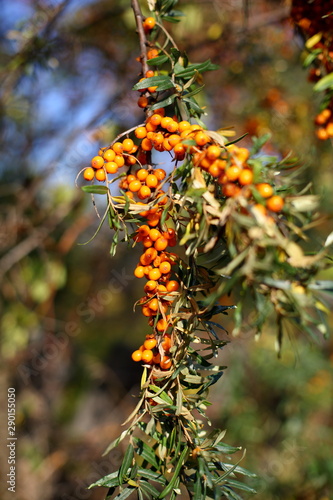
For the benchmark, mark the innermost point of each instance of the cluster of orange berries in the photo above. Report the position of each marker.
(325, 122)
(156, 266)
(109, 160)
(315, 18)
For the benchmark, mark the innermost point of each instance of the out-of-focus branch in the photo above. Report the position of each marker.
(141, 33)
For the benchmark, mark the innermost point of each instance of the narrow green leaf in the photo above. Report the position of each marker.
(152, 476)
(125, 493)
(146, 453)
(163, 82)
(158, 61)
(163, 104)
(172, 483)
(126, 463)
(95, 189)
(149, 488)
(324, 83)
(109, 481)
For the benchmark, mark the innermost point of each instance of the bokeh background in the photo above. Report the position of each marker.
(67, 321)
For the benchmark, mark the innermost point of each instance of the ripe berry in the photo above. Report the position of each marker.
(100, 174)
(142, 174)
(144, 192)
(109, 155)
(111, 167)
(137, 355)
(139, 272)
(151, 181)
(165, 267)
(147, 356)
(165, 363)
(149, 24)
(134, 186)
(152, 53)
(117, 148)
(150, 343)
(119, 160)
(265, 190)
(161, 244)
(160, 174)
(172, 286)
(97, 162)
(233, 173)
(275, 203)
(140, 132)
(245, 177)
(213, 152)
(128, 145)
(88, 174)
(154, 274)
(201, 138)
(142, 102)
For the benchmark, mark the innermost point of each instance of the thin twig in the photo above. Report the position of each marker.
(141, 33)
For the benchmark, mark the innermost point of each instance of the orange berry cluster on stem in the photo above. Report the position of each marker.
(156, 266)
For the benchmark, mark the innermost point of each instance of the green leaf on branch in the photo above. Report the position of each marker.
(95, 189)
(324, 83)
(163, 82)
(158, 61)
(163, 104)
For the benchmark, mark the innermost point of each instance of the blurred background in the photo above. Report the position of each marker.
(67, 321)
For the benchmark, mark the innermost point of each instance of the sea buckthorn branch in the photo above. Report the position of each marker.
(314, 22)
(238, 216)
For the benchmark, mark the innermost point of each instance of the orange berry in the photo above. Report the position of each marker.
(265, 189)
(130, 178)
(329, 129)
(183, 125)
(97, 162)
(275, 203)
(147, 356)
(154, 234)
(139, 272)
(142, 101)
(232, 173)
(245, 177)
(160, 174)
(128, 145)
(134, 186)
(109, 155)
(160, 111)
(140, 132)
(153, 304)
(100, 175)
(166, 145)
(152, 53)
(162, 325)
(117, 148)
(88, 174)
(214, 169)
(137, 355)
(179, 149)
(230, 190)
(146, 311)
(147, 242)
(150, 73)
(150, 343)
(172, 126)
(166, 121)
(201, 138)
(149, 24)
(146, 144)
(165, 267)
(165, 363)
(322, 134)
(154, 274)
(151, 181)
(174, 139)
(161, 244)
(143, 230)
(144, 192)
(155, 119)
(150, 286)
(166, 344)
(119, 160)
(172, 286)
(170, 233)
(111, 167)
(213, 152)
(129, 194)
(161, 289)
(142, 174)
